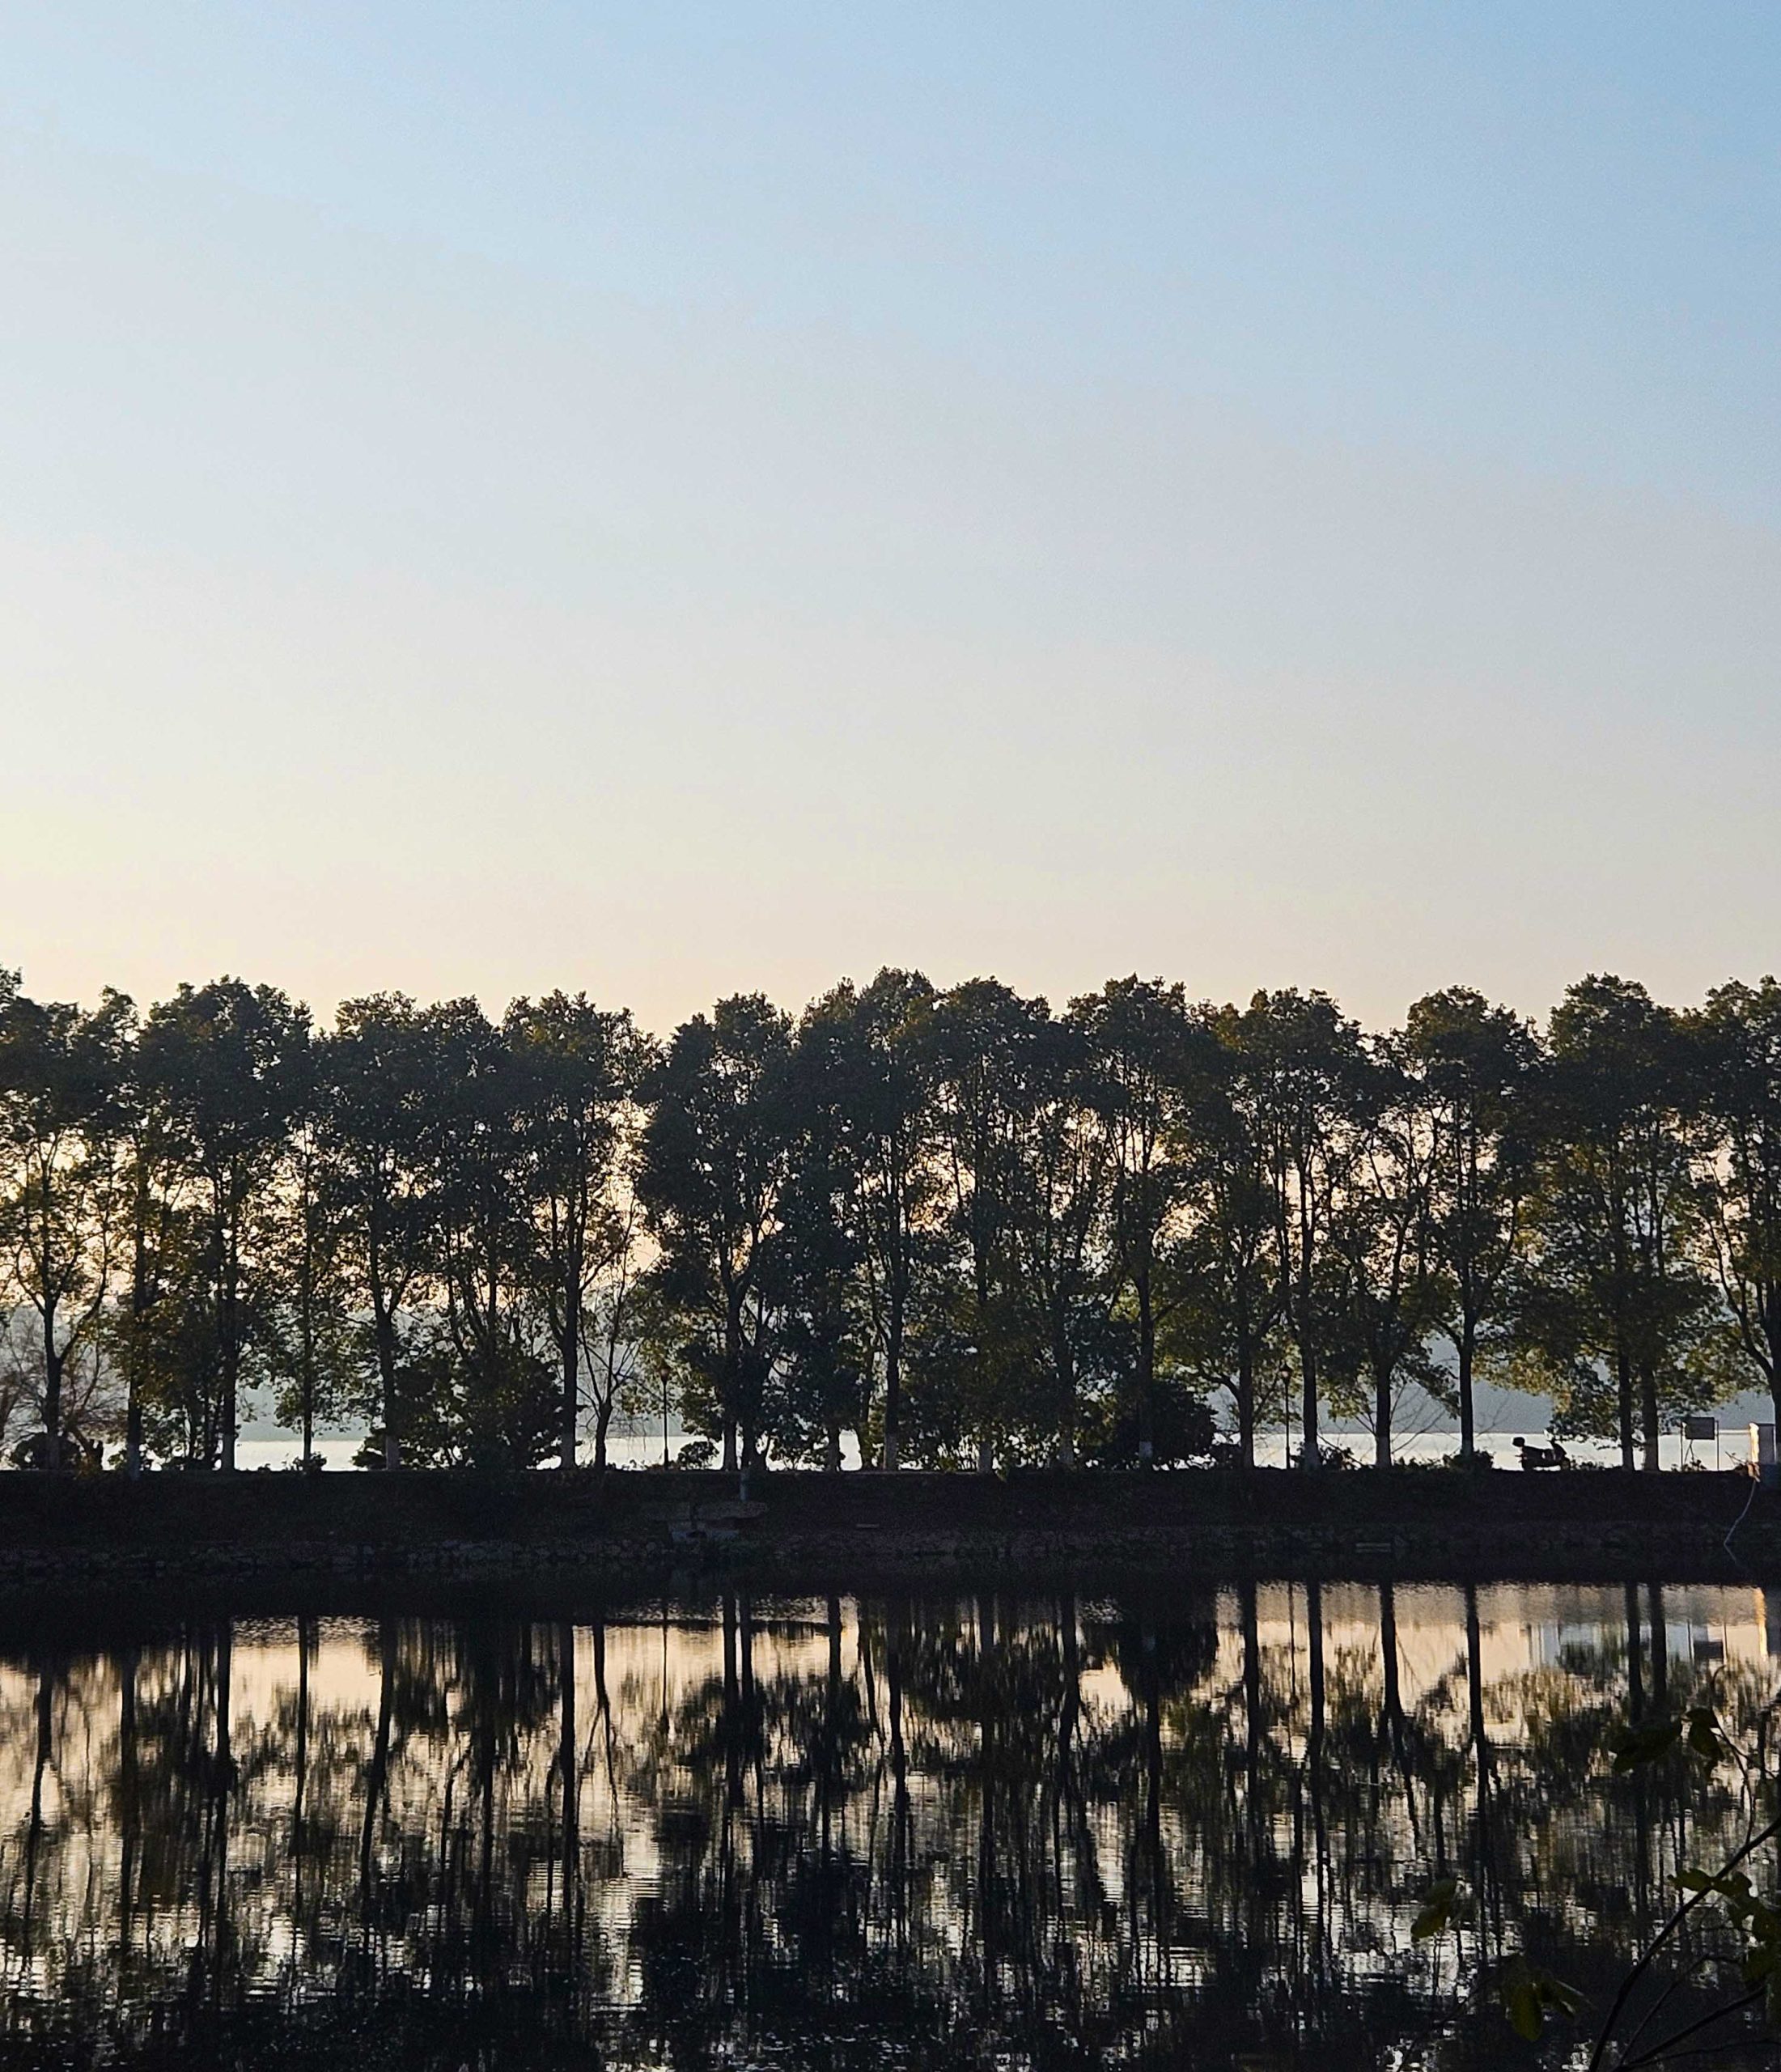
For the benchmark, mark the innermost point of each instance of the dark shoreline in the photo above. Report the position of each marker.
(317, 1536)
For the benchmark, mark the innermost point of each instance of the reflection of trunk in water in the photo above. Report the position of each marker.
(40, 1769)
(728, 1908)
(569, 1771)
(827, 1779)
(1635, 1709)
(1635, 1655)
(603, 1706)
(899, 1760)
(221, 1801)
(305, 1642)
(1314, 1766)
(1071, 1814)
(989, 1906)
(378, 1776)
(1659, 1648)
(128, 1797)
(1252, 1715)
(1482, 1850)
(1397, 1735)
(1153, 1784)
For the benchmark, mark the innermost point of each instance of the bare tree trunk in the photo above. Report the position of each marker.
(1146, 1370)
(1246, 1385)
(1382, 1416)
(1468, 1354)
(52, 1391)
(571, 1372)
(1648, 1389)
(894, 1381)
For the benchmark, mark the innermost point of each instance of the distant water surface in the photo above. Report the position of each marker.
(633, 1450)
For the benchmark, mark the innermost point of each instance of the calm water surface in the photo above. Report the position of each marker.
(1193, 1829)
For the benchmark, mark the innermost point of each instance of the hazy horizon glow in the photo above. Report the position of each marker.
(666, 501)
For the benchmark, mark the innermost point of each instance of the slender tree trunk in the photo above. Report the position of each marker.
(733, 1379)
(1147, 1367)
(1647, 1391)
(132, 1361)
(52, 1393)
(384, 1329)
(1769, 1314)
(140, 1295)
(572, 1368)
(1382, 1418)
(231, 1321)
(1623, 1377)
(308, 1358)
(1310, 1443)
(1467, 1349)
(1245, 1380)
(893, 1380)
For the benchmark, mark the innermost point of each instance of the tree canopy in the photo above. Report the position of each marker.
(913, 1225)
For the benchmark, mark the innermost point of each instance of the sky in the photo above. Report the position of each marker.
(674, 499)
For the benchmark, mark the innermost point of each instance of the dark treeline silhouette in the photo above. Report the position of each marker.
(950, 1228)
(973, 1830)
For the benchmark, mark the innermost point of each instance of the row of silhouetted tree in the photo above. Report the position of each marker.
(955, 1225)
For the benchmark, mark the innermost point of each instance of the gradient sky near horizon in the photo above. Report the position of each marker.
(671, 499)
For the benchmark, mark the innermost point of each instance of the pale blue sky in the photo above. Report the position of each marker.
(676, 497)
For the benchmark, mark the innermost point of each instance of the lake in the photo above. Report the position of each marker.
(1186, 1828)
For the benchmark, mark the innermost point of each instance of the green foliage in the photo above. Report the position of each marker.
(1443, 1905)
(1529, 1994)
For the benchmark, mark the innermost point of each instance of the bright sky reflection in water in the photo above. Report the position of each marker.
(1034, 1830)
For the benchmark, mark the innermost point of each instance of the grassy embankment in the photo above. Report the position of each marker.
(850, 1529)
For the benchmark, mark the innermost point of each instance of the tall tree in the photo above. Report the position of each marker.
(1382, 1243)
(154, 1218)
(61, 1078)
(383, 1073)
(1614, 1305)
(1146, 1047)
(1230, 1271)
(984, 1037)
(1309, 1068)
(1063, 1208)
(817, 1250)
(227, 1063)
(1478, 1064)
(313, 1352)
(878, 1035)
(716, 1158)
(578, 1067)
(510, 1400)
(1738, 1160)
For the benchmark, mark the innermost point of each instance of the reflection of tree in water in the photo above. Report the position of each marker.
(1030, 1831)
